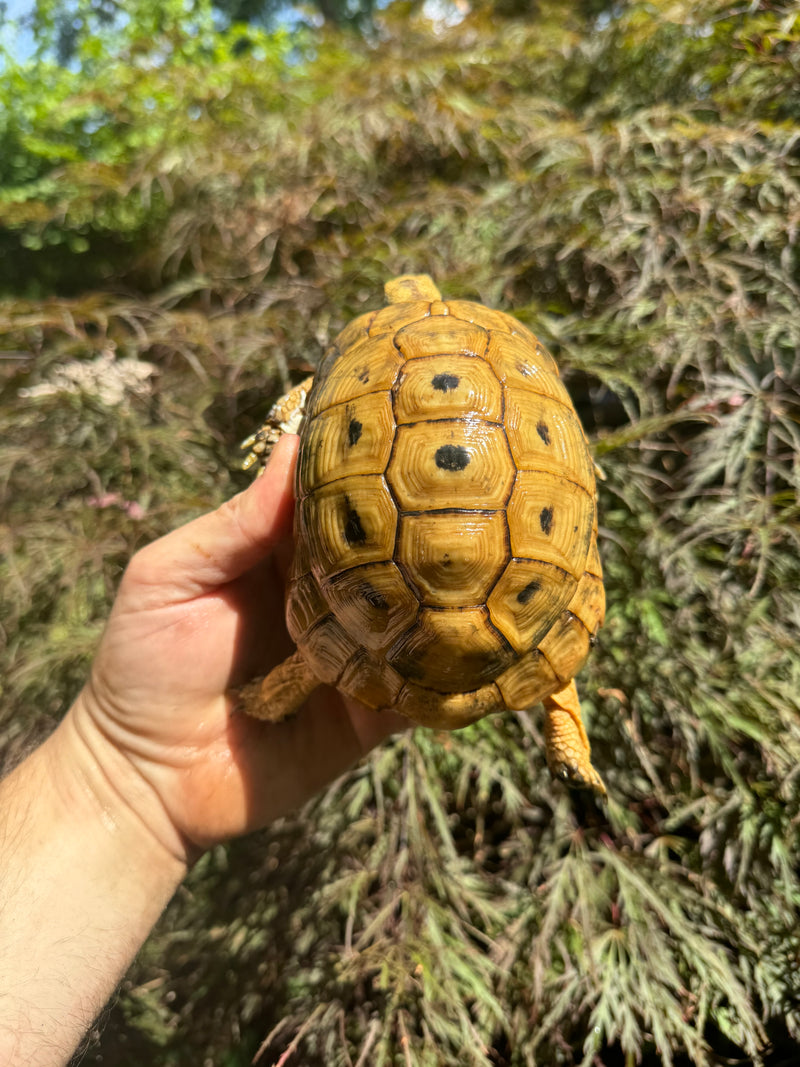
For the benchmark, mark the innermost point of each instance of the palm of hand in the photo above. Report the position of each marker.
(200, 612)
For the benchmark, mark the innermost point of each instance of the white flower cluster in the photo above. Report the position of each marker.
(110, 379)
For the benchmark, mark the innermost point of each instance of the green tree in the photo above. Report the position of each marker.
(60, 26)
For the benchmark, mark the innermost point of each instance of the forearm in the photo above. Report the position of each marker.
(81, 883)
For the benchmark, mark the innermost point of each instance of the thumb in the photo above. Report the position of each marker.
(218, 547)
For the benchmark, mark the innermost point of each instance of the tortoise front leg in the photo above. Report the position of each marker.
(285, 416)
(569, 755)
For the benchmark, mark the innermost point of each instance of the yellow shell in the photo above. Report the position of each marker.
(446, 558)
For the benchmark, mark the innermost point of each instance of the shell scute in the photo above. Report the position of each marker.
(371, 680)
(305, 606)
(527, 681)
(588, 602)
(446, 528)
(395, 316)
(447, 387)
(566, 646)
(450, 462)
(371, 365)
(547, 437)
(480, 315)
(346, 523)
(331, 648)
(551, 519)
(451, 650)
(441, 335)
(354, 437)
(448, 711)
(515, 362)
(526, 599)
(355, 331)
(452, 559)
(373, 603)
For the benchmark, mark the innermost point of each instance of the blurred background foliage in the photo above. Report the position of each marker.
(193, 199)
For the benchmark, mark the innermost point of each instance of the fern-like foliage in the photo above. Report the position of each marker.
(627, 183)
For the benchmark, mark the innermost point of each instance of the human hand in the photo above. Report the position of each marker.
(198, 613)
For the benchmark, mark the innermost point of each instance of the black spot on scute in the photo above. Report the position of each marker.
(452, 457)
(445, 382)
(524, 595)
(543, 431)
(546, 520)
(354, 432)
(354, 532)
(363, 374)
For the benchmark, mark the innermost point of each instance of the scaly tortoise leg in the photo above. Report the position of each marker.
(286, 687)
(281, 693)
(569, 755)
(285, 416)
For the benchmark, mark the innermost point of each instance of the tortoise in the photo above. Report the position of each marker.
(446, 561)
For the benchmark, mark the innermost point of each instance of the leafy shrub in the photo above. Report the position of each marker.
(628, 186)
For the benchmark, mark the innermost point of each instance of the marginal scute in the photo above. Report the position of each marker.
(473, 470)
(533, 368)
(354, 331)
(371, 680)
(593, 565)
(395, 316)
(589, 603)
(480, 315)
(529, 680)
(451, 650)
(305, 606)
(566, 646)
(452, 559)
(329, 649)
(300, 562)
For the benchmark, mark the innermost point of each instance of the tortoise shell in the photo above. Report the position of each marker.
(446, 562)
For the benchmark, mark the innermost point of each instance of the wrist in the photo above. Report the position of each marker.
(94, 782)
(82, 882)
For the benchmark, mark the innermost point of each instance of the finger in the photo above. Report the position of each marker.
(371, 727)
(220, 546)
(283, 765)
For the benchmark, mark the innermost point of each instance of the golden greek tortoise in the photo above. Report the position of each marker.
(446, 559)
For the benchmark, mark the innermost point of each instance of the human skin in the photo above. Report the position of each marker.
(153, 764)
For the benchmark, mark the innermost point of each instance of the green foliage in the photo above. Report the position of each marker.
(628, 185)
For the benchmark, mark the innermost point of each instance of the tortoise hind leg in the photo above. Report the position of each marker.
(281, 693)
(569, 755)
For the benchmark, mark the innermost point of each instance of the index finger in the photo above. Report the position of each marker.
(220, 546)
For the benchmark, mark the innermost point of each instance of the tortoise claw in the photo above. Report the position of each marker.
(576, 777)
